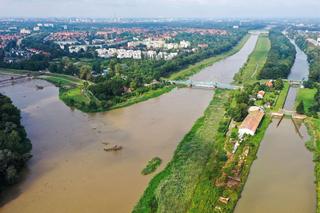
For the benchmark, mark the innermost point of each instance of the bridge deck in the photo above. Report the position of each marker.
(206, 84)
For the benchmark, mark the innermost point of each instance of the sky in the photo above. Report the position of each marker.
(161, 8)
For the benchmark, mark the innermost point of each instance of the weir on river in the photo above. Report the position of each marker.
(282, 178)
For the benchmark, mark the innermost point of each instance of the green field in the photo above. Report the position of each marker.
(193, 69)
(255, 62)
(307, 96)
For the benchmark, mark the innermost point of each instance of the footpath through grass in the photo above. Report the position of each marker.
(195, 68)
(257, 59)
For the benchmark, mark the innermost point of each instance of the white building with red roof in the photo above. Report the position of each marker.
(251, 123)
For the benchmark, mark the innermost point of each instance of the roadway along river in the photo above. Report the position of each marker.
(70, 171)
(281, 180)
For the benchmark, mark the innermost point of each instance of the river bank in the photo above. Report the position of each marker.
(75, 94)
(69, 159)
(274, 185)
(251, 70)
(313, 125)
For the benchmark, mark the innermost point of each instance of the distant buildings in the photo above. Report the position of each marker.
(134, 54)
(318, 41)
(251, 123)
(67, 36)
(25, 31)
(119, 53)
(36, 28)
(78, 48)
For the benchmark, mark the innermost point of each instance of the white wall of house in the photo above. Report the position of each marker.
(245, 131)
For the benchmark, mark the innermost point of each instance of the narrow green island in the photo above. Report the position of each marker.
(152, 166)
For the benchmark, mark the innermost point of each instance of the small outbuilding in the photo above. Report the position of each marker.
(261, 94)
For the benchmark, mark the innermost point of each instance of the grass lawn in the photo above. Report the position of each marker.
(307, 96)
(255, 62)
(193, 69)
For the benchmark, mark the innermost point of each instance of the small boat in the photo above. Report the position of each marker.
(39, 87)
(113, 148)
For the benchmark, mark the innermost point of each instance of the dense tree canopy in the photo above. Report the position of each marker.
(280, 58)
(15, 147)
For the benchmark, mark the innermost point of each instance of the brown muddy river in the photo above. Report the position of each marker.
(281, 180)
(70, 171)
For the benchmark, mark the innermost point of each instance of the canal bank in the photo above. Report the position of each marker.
(282, 178)
(70, 172)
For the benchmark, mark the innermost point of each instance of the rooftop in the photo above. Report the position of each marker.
(252, 120)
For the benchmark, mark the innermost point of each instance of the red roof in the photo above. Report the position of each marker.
(252, 121)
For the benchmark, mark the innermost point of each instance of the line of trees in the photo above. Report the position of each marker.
(280, 58)
(15, 147)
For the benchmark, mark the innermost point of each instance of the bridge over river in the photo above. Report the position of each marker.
(205, 84)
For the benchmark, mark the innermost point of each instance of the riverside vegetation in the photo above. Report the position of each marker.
(280, 58)
(310, 97)
(15, 147)
(131, 81)
(256, 61)
(197, 175)
(152, 165)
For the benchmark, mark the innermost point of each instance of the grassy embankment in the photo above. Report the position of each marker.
(174, 186)
(73, 92)
(195, 68)
(251, 69)
(313, 126)
(281, 99)
(189, 182)
(212, 183)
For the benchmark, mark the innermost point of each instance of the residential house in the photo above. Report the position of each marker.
(261, 94)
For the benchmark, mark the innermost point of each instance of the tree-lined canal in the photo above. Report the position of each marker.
(70, 171)
(282, 178)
